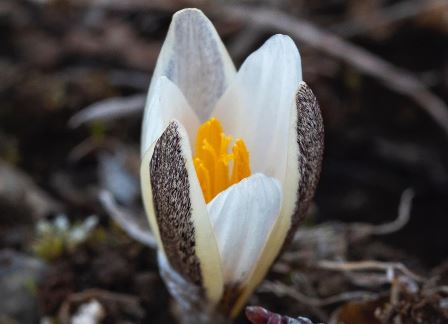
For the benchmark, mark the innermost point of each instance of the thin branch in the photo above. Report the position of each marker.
(399, 80)
(404, 213)
(281, 289)
(277, 288)
(370, 265)
(390, 15)
(439, 289)
(128, 223)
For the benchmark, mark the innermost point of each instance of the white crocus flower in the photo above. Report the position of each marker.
(223, 239)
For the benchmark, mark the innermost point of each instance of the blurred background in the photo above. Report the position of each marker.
(73, 78)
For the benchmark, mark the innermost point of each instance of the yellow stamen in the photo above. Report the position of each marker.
(211, 159)
(241, 168)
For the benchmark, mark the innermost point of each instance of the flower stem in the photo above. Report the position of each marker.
(193, 308)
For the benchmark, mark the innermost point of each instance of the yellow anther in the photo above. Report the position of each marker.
(241, 167)
(212, 158)
(204, 178)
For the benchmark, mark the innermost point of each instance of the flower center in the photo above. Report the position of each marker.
(212, 160)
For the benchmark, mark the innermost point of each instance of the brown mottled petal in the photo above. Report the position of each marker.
(310, 140)
(177, 211)
(305, 150)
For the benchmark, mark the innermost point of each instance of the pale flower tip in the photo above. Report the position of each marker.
(285, 45)
(284, 41)
(283, 38)
(185, 15)
(187, 11)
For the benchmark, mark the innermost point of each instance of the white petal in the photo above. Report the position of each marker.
(305, 150)
(195, 59)
(242, 217)
(257, 105)
(166, 103)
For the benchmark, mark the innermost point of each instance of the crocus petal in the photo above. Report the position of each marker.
(166, 104)
(194, 58)
(177, 211)
(304, 158)
(257, 105)
(242, 217)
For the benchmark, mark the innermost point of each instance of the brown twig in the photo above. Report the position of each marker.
(361, 230)
(390, 15)
(281, 289)
(404, 213)
(396, 79)
(369, 266)
(329, 241)
(439, 289)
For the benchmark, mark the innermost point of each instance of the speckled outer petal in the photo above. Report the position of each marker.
(305, 151)
(177, 211)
